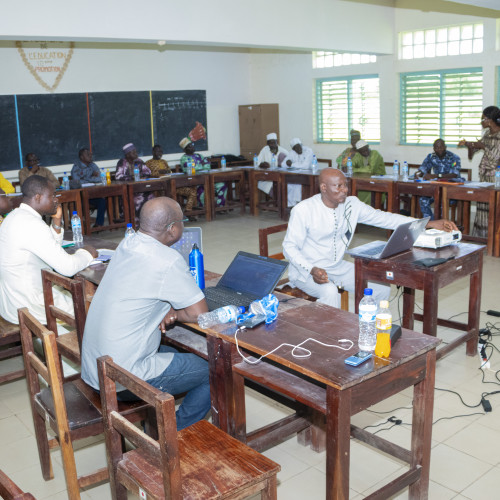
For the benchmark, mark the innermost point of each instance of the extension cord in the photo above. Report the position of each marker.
(490, 312)
(485, 364)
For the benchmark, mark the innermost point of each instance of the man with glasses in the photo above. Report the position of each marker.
(146, 288)
(32, 167)
(320, 231)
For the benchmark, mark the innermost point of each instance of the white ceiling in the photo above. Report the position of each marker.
(487, 4)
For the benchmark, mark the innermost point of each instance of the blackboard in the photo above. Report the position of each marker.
(53, 126)
(176, 114)
(117, 118)
(9, 159)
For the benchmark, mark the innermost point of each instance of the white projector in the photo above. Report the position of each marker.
(434, 238)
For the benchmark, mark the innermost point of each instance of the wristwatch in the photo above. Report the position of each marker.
(55, 226)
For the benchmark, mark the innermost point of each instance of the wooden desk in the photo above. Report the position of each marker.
(361, 182)
(200, 179)
(230, 176)
(307, 179)
(159, 187)
(260, 174)
(329, 387)
(468, 261)
(417, 189)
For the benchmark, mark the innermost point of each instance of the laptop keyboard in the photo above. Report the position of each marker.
(374, 250)
(225, 298)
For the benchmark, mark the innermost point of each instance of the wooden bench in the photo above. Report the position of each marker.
(10, 347)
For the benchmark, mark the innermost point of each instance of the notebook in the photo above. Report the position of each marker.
(402, 239)
(190, 236)
(249, 277)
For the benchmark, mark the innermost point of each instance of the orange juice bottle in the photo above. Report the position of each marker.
(383, 323)
(108, 177)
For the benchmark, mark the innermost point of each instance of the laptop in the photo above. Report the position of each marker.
(402, 239)
(249, 277)
(190, 236)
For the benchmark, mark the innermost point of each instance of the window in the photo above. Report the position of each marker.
(345, 103)
(450, 41)
(331, 59)
(446, 104)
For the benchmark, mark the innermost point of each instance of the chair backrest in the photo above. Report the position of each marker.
(325, 160)
(163, 453)
(10, 491)
(70, 200)
(264, 242)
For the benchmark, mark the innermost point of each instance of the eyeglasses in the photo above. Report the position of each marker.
(484, 119)
(33, 160)
(185, 219)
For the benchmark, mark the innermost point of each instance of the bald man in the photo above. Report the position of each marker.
(321, 229)
(146, 288)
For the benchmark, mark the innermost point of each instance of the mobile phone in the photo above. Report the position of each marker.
(358, 358)
(252, 320)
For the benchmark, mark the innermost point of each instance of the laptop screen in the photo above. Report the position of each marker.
(253, 274)
(190, 236)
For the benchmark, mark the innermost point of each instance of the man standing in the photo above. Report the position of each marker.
(321, 229)
(147, 284)
(300, 158)
(265, 158)
(32, 167)
(28, 245)
(348, 152)
(85, 171)
(441, 164)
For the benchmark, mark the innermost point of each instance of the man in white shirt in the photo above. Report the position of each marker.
(265, 158)
(321, 229)
(299, 158)
(28, 245)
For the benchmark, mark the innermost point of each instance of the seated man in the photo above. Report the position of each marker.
(28, 245)
(5, 186)
(5, 206)
(348, 152)
(201, 164)
(441, 164)
(321, 229)
(32, 167)
(265, 157)
(85, 171)
(300, 157)
(147, 287)
(158, 167)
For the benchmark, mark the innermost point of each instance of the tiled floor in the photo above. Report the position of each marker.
(465, 449)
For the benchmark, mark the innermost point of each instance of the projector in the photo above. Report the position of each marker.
(434, 238)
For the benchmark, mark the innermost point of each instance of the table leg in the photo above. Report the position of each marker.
(423, 403)
(217, 376)
(430, 306)
(408, 307)
(360, 283)
(474, 307)
(338, 432)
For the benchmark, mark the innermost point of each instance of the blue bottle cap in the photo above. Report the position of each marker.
(368, 291)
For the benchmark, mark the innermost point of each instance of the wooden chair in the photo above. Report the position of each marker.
(325, 160)
(70, 200)
(200, 461)
(158, 187)
(11, 347)
(70, 344)
(287, 289)
(10, 491)
(72, 409)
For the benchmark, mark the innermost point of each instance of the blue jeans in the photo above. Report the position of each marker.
(186, 373)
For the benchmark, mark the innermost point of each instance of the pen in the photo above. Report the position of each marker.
(68, 245)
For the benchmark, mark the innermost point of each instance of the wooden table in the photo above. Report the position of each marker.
(400, 270)
(328, 387)
(199, 179)
(230, 176)
(260, 174)
(361, 182)
(417, 189)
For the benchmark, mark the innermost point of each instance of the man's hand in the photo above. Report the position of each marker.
(91, 250)
(264, 164)
(57, 217)
(168, 320)
(442, 225)
(319, 275)
(95, 174)
(428, 177)
(289, 163)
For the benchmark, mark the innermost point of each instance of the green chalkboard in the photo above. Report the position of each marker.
(9, 159)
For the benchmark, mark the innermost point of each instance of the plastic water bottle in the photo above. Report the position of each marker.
(274, 163)
(314, 164)
(383, 324)
(267, 306)
(255, 161)
(367, 314)
(76, 227)
(129, 231)
(137, 172)
(66, 182)
(404, 171)
(103, 177)
(395, 170)
(497, 177)
(196, 266)
(223, 163)
(349, 167)
(108, 177)
(222, 315)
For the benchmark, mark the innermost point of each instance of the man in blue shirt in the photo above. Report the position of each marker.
(441, 164)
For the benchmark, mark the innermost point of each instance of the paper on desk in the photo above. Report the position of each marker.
(386, 176)
(477, 184)
(88, 184)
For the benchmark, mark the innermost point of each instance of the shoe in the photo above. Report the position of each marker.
(119, 220)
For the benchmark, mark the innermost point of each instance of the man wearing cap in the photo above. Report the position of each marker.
(367, 161)
(125, 172)
(32, 167)
(265, 156)
(300, 158)
(349, 152)
(201, 164)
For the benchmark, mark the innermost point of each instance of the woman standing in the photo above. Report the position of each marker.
(490, 144)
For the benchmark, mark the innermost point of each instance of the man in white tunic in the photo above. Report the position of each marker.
(265, 158)
(321, 229)
(299, 158)
(28, 245)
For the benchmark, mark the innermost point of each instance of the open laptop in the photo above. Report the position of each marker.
(190, 236)
(249, 277)
(402, 239)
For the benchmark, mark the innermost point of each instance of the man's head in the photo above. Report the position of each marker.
(85, 156)
(32, 162)
(157, 152)
(440, 148)
(363, 148)
(333, 187)
(296, 145)
(355, 137)
(40, 194)
(187, 145)
(272, 142)
(162, 218)
(5, 204)
(130, 152)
